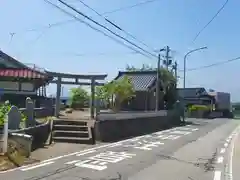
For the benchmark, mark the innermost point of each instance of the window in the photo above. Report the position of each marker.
(8, 85)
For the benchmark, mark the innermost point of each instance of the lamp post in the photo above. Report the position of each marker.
(185, 59)
(184, 75)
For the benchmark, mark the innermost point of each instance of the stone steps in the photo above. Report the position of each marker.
(70, 127)
(72, 131)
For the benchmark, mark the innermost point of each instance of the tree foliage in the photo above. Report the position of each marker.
(79, 97)
(117, 90)
(4, 109)
(122, 90)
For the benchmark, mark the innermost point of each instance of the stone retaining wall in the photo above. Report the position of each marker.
(116, 126)
(39, 134)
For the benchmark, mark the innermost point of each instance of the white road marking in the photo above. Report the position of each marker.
(225, 144)
(170, 137)
(99, 161)
(87, 150)
(231, 158)
(184, 129)
(84, 153)
(217, 175)
(85, 164)
(222, 150)
(220, 159)
(37, 166)
(112, 157)
(115, 145)
(149, 146)
(180, 132)
(72, 162)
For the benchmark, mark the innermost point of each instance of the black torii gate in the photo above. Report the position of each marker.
(57, 78)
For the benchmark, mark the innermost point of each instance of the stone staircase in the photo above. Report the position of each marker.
(72, 131)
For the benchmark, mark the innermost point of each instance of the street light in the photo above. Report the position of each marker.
(185, 58)
(158, 79)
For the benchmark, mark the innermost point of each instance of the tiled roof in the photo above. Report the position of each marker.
(141, 80)
(191, 92)
(21, 73)
(10, 61)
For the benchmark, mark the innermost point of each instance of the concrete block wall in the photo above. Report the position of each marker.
(113, 127)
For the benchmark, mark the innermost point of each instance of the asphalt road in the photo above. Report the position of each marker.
(191, 152)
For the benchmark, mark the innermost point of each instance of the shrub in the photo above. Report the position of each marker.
(4, 109)
(196, 107)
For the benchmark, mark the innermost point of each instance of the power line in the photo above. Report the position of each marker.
(101, 54)
(56, 24)
(129, 7)
(98, 30)
(211, 20)
(104, 27)
(214, 64)
(115, 25)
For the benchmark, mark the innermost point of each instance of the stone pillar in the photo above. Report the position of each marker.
(58, 101)
(30, 121)
(14, 118)
(92, 106)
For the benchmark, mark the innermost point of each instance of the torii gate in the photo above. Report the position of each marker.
(58, 79)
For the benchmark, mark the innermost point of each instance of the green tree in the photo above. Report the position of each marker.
(168, 82)
(103, 94)
(79, 97)
(118, 90)
(122, 91)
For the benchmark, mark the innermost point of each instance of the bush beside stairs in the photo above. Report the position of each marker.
(72, 131)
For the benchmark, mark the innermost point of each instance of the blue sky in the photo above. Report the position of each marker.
(160, 23)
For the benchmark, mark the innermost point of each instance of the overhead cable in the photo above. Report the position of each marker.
(106, 28)
(74, 20)
(98, 30)
(115, 25)
(213, 65)
(210, 21)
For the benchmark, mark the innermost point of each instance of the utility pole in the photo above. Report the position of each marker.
(175, 69)
(167, 57)
(158, 82)
(158, 79)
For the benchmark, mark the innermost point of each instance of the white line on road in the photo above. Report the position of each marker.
(220, 159)
(37, 166)
(223, 150)
(231, 158)
(115, 145)
(217, 175)
(84, 153)
(225, 144)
